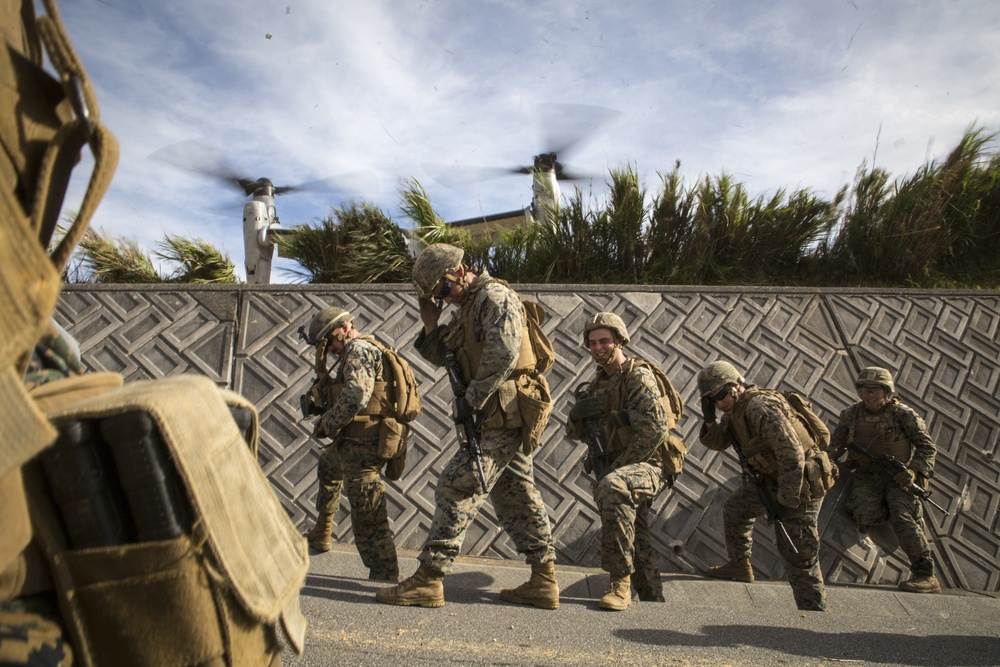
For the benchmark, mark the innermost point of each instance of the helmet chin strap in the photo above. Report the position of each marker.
(611, 357)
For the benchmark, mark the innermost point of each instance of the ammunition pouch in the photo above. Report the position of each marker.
(523, 403)
(673, 456)
(186, 556)
(501, 410)
(819, 477)
(761, 457)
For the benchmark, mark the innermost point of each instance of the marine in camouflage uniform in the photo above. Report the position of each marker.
(625, 397)
(488, 336)
(769, 434)
(352, 460)
(883, 425)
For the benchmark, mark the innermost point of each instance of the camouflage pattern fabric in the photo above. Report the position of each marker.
(767, 417)
(369, 506)
(645, 563)
(359, 368)
(353, 464)
(740, 512)
(625, 493)
(31, 639)
(56, 356)
(510, 479)
(331, 481)
(875, 500)
(904, 420)
(619, 496)
(498, 324)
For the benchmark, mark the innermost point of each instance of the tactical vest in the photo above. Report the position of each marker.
(469, 349)
(879, 433)
(759, 452)
(617, 428)
(366, 422)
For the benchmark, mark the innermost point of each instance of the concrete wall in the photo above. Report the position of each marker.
(942, 347)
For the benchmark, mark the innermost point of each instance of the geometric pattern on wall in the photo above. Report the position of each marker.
(942, 347)
(152, 332)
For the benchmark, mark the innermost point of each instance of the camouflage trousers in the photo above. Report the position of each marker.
(623, 498)
(873, 502)
(510, 482)
(354, 466)
(741, 511)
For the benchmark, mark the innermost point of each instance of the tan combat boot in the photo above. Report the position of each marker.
(424, 589)
(734, 570)
(619, 595)
(921, 583)
(541, 590)
(321, 536)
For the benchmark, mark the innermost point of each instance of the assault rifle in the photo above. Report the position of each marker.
(890, 466)
(313, 402)
(771, 506)
(597, 443)
(468, 426)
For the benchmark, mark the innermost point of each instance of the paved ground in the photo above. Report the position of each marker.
(703, 622)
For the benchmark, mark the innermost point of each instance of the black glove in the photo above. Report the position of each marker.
(584, 408)
(461, 410)
(708, 408)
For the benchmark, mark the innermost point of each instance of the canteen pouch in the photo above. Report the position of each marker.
(535, 404)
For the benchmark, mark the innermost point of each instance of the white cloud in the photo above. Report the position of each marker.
(781, 94)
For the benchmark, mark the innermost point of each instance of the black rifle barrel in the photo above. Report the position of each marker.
(770, 504)
(890, 466)
(468, 424)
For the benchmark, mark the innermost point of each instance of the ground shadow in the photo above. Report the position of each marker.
(932, 651)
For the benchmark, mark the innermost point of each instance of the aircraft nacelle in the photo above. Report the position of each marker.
(258, 243)
(545, 193)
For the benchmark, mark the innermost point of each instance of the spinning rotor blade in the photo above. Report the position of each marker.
(564, 126)
(199, 156)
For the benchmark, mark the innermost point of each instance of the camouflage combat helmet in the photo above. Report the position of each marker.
(433, 263)
(606, 321)
(326, 321)
(717, 375)
(874, 375)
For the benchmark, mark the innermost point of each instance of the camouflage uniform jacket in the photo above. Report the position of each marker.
(357, 371)
(497, 317)
(634, 419)
(767, 419)
(903, 419)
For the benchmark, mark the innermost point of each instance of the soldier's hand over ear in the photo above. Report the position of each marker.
(430, 312)
(585, 407)
(708, 408)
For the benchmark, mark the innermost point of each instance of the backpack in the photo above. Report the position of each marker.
(545, 353)
(675, 448)
(671, 399)
(817, 429)
(403, 385)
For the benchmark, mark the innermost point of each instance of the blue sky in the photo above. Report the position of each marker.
(783, 94)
